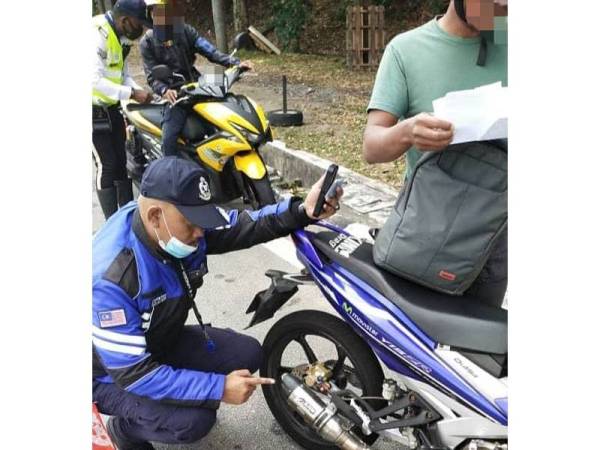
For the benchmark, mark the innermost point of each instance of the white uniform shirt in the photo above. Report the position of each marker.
(104, 85)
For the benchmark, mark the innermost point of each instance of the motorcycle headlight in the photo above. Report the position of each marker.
(253, 138)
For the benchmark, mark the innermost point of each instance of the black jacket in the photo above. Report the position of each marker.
(180, 56)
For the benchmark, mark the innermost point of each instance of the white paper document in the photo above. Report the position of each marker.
(477, 114)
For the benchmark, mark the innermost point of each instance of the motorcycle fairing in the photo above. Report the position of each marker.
(250, 164)
(217, 149)
(390, 332)
(236, 110)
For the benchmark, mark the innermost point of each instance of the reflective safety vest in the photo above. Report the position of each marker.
(114, 61)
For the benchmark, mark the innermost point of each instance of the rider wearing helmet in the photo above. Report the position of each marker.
(174, 43)
(463, 49)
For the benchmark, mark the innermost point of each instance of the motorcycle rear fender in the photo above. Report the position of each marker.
(250, 164)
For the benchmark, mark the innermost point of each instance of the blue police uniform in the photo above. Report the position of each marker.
(147, 364)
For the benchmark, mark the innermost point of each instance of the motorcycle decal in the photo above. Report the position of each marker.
(345, 245)
(472, 398)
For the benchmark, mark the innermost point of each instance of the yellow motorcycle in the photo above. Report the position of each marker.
(223, 133)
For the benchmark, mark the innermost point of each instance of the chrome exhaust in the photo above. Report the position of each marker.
(320, 416)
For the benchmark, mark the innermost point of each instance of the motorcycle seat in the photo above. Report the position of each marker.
(458, 321)
(151, 112)
(194, 129)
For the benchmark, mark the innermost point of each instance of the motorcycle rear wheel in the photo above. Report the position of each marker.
(365, 371)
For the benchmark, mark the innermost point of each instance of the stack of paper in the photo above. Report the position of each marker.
(477, 114)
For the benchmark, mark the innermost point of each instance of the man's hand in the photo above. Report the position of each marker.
(170, 95)
(430, 133)
(331, 204)
(141, 96)
(240, 385)
(247, 65)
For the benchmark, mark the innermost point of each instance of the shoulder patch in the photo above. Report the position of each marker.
(112, 318)
(123, 272)
(102, 53)
(103, 32)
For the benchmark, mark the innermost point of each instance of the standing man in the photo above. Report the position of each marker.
(159, 379)
(114, 33)
(463, 49)
(174, 43)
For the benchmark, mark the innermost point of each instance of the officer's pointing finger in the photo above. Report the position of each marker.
(255, 381)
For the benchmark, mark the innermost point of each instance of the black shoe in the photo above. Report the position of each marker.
(108, 201)
(122, 442)
(124, 191)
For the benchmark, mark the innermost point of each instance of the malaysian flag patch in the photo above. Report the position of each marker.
(112, 318)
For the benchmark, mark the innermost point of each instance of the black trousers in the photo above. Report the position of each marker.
(109, 151)
(143, 419)
(173, 122)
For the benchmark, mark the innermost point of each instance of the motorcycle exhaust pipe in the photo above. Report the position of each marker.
(321, 417)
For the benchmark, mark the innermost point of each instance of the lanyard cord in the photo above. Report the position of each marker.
(210, 344)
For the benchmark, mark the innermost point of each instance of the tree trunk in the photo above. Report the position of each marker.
(219, 22)
(240, 16)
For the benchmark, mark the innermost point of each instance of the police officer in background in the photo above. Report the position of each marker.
(111, 83)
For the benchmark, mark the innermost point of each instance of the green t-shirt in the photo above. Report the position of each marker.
(426, 63)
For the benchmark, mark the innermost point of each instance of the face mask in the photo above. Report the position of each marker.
(132, 33)
(175, 247)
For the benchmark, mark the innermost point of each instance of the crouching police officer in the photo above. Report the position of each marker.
(112, 83)
(158, 379)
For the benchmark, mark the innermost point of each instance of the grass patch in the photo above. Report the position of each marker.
(334, 125)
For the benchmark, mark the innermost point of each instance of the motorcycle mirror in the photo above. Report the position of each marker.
(162, 72)
(243, 41)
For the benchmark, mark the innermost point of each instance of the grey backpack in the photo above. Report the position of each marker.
(448, 217)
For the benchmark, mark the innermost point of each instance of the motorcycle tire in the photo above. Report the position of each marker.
(366, 367)
(258, 192)
(279, 118)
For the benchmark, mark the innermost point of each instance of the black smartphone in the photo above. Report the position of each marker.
(332, 171)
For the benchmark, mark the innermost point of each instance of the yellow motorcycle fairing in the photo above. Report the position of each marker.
(220, 115)
(250, 164)
(261, 114)
(216, 151)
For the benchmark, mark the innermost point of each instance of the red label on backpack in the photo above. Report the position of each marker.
(447, 275)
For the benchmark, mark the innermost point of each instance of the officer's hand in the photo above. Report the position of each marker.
(247, 65)
(170, 95)
(141, 96)
(239, 386)
(430, 133)
(330, 206)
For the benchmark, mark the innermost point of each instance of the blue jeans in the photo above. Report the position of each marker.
(142, 419)
(173, 121)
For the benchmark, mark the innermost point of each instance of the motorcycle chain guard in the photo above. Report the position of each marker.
(267, 302)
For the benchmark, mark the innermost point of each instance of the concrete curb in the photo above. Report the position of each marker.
(365, 201)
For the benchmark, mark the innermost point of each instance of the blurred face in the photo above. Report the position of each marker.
(167, 21)
(482, 14)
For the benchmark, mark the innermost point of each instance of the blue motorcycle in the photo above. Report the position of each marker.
(445, 386)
